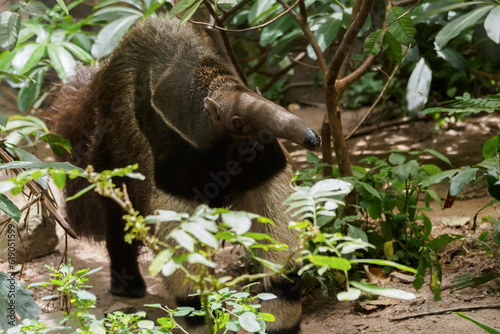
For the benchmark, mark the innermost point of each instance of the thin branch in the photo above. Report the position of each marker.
(345, 65)
(233, 10)
(37, 190)
(374, 103)
(485, 75)
(302, 21)
(284, 71)
(405, 13)
(219, 25)
(346, 82)
(346, 44)
(454, 309)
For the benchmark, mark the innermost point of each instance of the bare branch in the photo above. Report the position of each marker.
(284, 71)
(404, 3)
(346, 82)
(233, 10)
(355, 10)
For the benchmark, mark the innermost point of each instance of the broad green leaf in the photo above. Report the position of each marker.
(10, 25)
(312, 158)
(431, 169)
(372, 43)
(283, 46)
(198, 258)
(266, 296)
(491, 146)
(396, 158)
(258, 9)
(443, 240)
(78, 51)
(30, 91)
(403, 29)
(136, 3)
(181, 6)
(486, 327)
(276, 29)
(333, 262)
(33, 8)
(331, 185)
(418, 87)
(248, 321)
(183, 239)
(113, 12)
(62, 60)
(438, 155)
(40, 165)
(25, 306)
(57, 143)
(145, 324)
(190, 12)
(492, 165)
(455, 59)
(349, 295)
(201, 234)
(85, 295)
(455, 27)
(369, 189)
(159, 261)
(392, 47)
(27, 57)
(109, 37)
(390, 293)
(59, 179)
(238, 221)
(325, 33)
(9, 208)
(463, 178)
(445, 6)
(492, 25)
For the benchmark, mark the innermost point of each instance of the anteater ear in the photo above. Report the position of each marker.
(212, 107)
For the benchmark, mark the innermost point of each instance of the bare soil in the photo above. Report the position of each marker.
(461, 143)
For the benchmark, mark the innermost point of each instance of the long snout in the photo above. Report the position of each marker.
(294, 129)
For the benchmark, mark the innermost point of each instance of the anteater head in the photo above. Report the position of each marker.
(242, 114)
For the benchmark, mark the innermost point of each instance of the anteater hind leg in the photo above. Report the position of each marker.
(267, 200)
(126, 278)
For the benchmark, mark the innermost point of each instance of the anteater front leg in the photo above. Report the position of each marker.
(267, 200)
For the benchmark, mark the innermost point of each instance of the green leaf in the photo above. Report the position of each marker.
(183, 239)
(30, 90)
(266, 296)
(190, 12)
(436, 178)
(384, 263)
(9, 208)
(431, 169)
(418, 88)
(10, 24)
(26, 57)
(181, 6)
(455, 59)
(443, 240)
(491, 146)
(63, 6)
(403, 29)
(496, 232)
(109, 37)
(160, 260)
(393, 48)
(33, 8)
(461, 179)
(258, 10)
(238, 221)
(78, 51)
(486, 327)
(201, 234)
(396, 158)
(25, 306)
(312, 158)
(276, 29)
(369, 189)
(145, 324)
(492, 25)
(40, 165)
(438, 155)
(198, 258)
(283, 46)
(57, 143)
(80, 193)
(337, 263)
(62, 60)
(455, 27)
(85, 295)
(325, 33)
(372, 43)
(391, 293)
(248, 321)
(349, 295)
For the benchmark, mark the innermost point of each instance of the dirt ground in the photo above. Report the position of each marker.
(461, 143)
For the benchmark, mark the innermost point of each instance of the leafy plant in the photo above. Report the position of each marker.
(480, 324)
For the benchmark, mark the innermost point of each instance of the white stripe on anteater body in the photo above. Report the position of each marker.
(164, 100)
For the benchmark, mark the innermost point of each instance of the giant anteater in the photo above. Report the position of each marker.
(166, 101)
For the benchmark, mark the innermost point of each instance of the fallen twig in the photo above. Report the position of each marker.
(454, 309)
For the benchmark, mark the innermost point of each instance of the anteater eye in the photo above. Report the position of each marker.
(237, 122)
